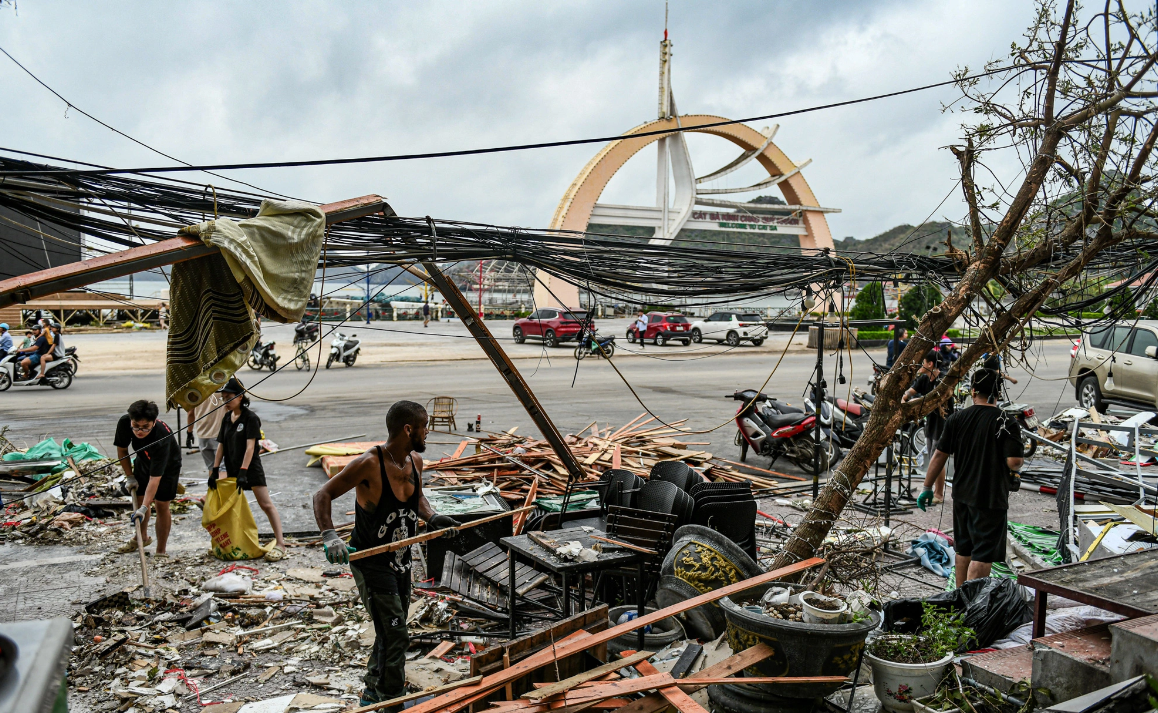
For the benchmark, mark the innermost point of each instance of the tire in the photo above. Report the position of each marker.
(5, 380)
(757, 342)
(607, 350)
(1090, 394)
(519, 337)
(62, 379)
(302, 359)
(743, 443)
(807, 462)
(254, 362)
(349, 361)
(272, 364)
(549, 338)
(733, 339)
(630, 337)
(660, 340)
(330, 360)
(1028, 448)
(685, 342)
(697, 337)
(580, 352)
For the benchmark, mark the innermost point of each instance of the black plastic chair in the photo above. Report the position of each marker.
(676, 472)
(662, 496)
(703, 488)
(734, 520)
(619, 487)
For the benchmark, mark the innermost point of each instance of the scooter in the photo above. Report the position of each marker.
(344, 349)
(595, 345)
(58, 375)
(262, 355)
(845, 427)
(773, 434)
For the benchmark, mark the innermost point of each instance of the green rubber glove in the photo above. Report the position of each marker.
(337, 551)
(925, 498)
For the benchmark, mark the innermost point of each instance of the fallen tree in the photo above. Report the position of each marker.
(1075, 104)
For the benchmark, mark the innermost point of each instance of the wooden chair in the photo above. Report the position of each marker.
(442, 410)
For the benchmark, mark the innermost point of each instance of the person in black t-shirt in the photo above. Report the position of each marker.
(923, 385)
(986, 447)
(156, 469)
(237, 451)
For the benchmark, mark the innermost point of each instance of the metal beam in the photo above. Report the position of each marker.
(23, 288)
(506, 367)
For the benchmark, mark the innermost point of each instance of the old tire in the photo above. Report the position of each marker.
(697, 336)
(518, 334)
(663, 632)
(1090, 394)
(733, 339)
(549, 338)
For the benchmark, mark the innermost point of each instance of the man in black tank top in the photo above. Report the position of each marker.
(388, 485)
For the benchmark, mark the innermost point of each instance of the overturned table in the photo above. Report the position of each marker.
(1125, 584)
(525, 548)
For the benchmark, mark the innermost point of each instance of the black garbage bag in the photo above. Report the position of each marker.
(993, 608)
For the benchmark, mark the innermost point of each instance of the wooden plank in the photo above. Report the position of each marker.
(528, 502)
(431, 535)
(461, 447)
(682, 701)
(627, 545)
(543, 637)
(412, 696)
(439, 651)
(569, 683)
(732, 665)
(454, 700)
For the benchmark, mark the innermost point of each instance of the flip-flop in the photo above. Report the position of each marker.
(275, 553)
(131, 545)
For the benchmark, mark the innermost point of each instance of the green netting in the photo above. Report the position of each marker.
(49, 449)
(1038, 540)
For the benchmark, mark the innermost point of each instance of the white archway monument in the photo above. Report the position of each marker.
(802, 216)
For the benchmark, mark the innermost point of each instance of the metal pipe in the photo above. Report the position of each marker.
(992, 691)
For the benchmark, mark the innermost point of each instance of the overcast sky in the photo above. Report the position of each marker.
(216, 82)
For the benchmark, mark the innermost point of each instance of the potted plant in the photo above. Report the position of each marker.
(910, 666)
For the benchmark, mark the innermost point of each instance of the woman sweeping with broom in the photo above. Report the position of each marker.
(237, 449)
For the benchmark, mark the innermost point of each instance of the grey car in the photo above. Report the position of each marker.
(1127, 350)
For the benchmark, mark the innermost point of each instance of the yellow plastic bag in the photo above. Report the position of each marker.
(230, 523)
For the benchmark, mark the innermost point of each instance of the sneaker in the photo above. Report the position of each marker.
(368, 698)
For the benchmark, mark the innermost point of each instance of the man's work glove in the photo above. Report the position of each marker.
(925, 498)
(213, 479)
(441, 522)
(337, 551)
(139, 514)
(243, 479)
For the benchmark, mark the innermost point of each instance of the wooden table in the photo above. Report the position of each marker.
(1126, 585)
(522, 546)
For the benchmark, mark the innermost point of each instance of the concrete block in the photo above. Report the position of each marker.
(1134, 650)
(1001, 669)
(1071, 664)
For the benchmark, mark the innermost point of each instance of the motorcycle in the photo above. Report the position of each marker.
(58, 375)
(305, 334)
(595, 345)
(845, 427)
(262, 355)
(344, 349)
(772, 434)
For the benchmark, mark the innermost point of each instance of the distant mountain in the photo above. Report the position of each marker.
(909, 239)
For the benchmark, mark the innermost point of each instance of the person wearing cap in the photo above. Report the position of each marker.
(927, 379)
(36, 352)
(237, 451)
(156, 468)
(5, 340)
(987, 457)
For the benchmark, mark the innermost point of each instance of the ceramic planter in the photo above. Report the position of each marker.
(897, 685)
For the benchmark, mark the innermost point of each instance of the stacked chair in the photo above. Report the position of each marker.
(729, 509)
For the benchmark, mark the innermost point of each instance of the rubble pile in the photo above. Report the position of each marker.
(513, 462)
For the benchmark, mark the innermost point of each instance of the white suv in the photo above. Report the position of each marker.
(731, 328)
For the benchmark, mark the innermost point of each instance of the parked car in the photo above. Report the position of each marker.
(731, 328)
(1131, 352)
(553, 326)
(663, 327)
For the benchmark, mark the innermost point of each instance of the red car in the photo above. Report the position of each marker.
(553, 326)
(663, 327)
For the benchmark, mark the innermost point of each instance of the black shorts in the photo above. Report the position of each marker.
(979, 533)
(166, 491)
(253, 479)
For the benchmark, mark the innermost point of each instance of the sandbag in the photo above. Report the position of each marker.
(230, 524)
(993, 608)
